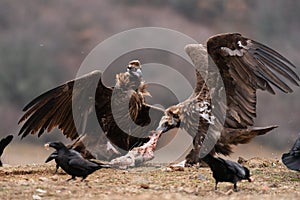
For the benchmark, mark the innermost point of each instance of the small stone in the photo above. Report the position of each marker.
(256, 163)
(241, 160)
(177, 168)
(23, 183)
(167, 169)
(201, 177)
(36, 197)
(189, 190)
(41, 191)
(273, 185)
(43, 179)
(145, 186)
(54, 178)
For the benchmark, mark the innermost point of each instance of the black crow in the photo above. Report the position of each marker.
(54, 154)
(227, 171)
(72, 162)
(3, 143)
(292, 158)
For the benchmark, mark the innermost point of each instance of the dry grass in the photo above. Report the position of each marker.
(36, 181)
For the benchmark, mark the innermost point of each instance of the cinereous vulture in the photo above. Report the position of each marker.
(244, 66)
(121, 112)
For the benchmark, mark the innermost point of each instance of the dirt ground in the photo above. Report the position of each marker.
(37, 181)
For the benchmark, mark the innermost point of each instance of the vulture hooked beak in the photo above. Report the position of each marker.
(166, 123)
(162, 128)
(171, 119)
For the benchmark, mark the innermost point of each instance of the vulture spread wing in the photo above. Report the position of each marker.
(55, 107)
(119, 112)
(245, 66)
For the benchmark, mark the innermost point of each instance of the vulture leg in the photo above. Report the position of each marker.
(193, 157)
(138, 155)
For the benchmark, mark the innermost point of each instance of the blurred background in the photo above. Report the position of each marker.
(43, 43)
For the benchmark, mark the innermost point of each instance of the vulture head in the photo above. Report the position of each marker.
(132, 79)
(171, 119)
(134, 69)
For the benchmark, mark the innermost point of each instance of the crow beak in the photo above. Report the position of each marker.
(47, 146)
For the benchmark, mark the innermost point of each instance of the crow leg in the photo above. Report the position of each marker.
(83, 178)
(72, 178)
(216, 185)
(235, 187)
(56, 170)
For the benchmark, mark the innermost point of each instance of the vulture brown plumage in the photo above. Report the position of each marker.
(124, 118)
(244, 66)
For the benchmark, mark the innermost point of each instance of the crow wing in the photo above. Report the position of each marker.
(245, 66)
(234, 167)
(52, 156)
(295, 150)
(81, 164)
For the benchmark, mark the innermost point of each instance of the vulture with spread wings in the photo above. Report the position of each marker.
(244, 66)
(107, 118)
